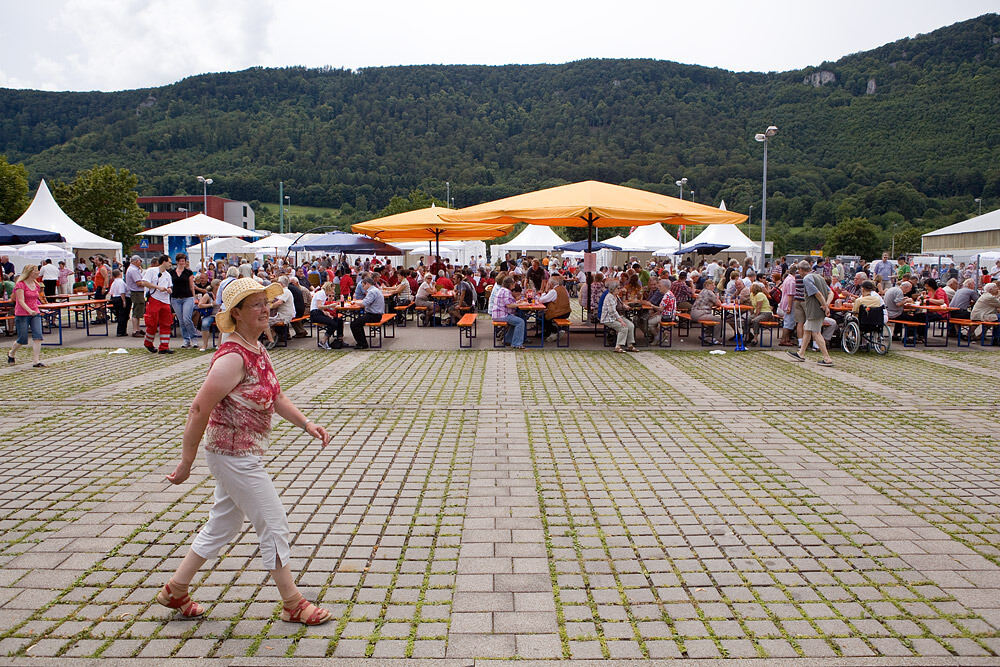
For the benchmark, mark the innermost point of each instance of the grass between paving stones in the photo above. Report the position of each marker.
(988, 359)
(917, 461)
(78, 376)
(923, 379)
(855, 563)
(584, 377)
(417, 377)
(728, 373)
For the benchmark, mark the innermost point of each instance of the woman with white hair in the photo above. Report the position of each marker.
(611, 318)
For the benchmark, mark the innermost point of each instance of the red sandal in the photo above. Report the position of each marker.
(294, 615)
(188, 607)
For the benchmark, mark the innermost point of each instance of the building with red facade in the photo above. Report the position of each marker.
(162, 210)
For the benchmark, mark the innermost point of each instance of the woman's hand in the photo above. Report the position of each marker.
(317, 431)
(180, 474)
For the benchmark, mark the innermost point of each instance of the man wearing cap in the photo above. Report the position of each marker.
(373, 307)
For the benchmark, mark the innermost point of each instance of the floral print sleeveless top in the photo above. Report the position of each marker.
(240, 425)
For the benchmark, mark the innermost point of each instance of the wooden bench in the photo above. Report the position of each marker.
(378, 330)
(499, 331)
(907, 327)
(426, 311)
(467, 330)
(969, 325)
(768, 326)
(405, 313)
(683, 324)
(562, 326)
(710, 324)
(666, 333)
(280, 334)
(305, 318)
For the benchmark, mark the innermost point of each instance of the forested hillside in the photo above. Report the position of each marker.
(906, 135)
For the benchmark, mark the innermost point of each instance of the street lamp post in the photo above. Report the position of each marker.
(205, 182)
(764, 137)
(447, 193)
(750, 221)
(288, 210)
(979, 200)
(680, 184)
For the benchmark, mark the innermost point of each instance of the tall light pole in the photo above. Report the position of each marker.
(281, 207)
(288, 210)
(979, 200)
(680, 184)
(205, 182)
(749, 219)
(764, 138)
(447, 193)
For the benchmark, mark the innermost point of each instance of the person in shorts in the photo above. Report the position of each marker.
(817, 308)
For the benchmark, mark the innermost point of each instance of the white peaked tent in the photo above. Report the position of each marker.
(222, 244)
(44, 213)
(726, 235)
(200, 225)
(649, 237)
(534, 237)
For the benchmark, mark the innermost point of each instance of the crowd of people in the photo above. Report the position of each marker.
(629, 300)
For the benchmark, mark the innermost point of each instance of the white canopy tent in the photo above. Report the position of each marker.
(649, 237)
(36, 253)
(533, 237)
(200, 225)
(44, 213)
(274, 244)
(729, 235)
(460, 252)
(222, 245)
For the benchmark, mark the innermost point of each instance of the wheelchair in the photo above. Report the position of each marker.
(866, 331)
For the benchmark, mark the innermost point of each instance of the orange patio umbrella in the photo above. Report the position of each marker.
(593, 204)
(425, 224)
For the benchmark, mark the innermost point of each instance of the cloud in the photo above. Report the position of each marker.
(120, 44)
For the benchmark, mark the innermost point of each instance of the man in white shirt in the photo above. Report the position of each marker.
(159, 315)
(283, 309)
(50, 277)
(118, 295)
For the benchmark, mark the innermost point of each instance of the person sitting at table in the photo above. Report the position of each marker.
(854, 289)
(664, 307)
(964, 299)
(556, 302)
(702, 310)
(761, 311)
(683, 295)
(443, 281)
(633, 288)
(372, 309)
(319, 315)
(465, 298)
(597, 289)
(612, 319)
(503, 310)
(423, 298)
(987, 307)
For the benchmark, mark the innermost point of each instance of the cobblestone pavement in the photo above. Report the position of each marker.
(567, 505)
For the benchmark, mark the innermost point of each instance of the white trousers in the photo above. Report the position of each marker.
(244, 489)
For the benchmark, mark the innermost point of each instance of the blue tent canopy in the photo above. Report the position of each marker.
(702, 248)
(581, 246)
(352, 244)
(16, 234)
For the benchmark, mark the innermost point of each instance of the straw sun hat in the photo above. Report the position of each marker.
(234, 293)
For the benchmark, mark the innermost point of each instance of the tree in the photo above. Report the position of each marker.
(103, 200)
(418, 199)
(853, 236)
(13, 190)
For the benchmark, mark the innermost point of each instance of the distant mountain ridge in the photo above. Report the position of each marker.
(910, 127)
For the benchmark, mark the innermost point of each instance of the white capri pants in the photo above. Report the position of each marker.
(243, 488)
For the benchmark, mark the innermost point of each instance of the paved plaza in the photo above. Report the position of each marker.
(552, 505)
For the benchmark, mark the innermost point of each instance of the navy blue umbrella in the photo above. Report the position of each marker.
(703, 248)
(345, 242)
(580, 246)
(16, 234)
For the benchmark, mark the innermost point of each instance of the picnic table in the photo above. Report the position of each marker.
(926, 310)
(530, 308)
(635, 309)
(440, 299)
(732, 310)
(53, 312)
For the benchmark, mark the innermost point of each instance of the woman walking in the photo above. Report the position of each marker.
(233, 411)
(27, 315)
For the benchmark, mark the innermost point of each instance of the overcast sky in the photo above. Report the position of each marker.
(121, 44)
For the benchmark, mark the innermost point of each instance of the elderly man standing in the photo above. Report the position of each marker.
(137, 295)
(373, 307)
(817, 309)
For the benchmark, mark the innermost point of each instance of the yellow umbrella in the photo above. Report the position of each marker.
(425, 224)
(593, 204)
